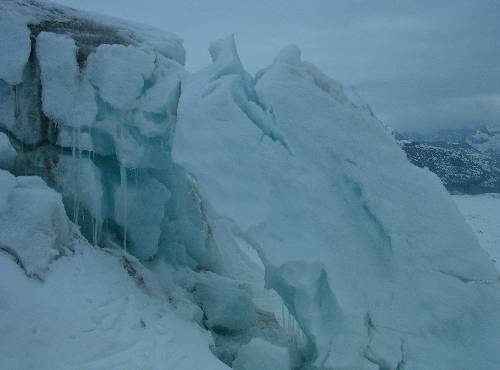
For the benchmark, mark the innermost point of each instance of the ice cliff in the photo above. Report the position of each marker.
(170, 198)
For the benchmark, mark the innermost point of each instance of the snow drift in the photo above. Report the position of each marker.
(196, 189)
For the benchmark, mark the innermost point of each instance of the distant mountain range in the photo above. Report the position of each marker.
(467, 161)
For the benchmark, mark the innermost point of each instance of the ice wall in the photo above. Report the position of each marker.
(90, 104)
(368, 252)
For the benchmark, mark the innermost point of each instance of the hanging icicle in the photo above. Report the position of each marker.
(123, 185)
(76, 155)
(283, 315)
(16, 104)
(96, 224)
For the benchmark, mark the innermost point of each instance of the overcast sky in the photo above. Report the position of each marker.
(420, 64)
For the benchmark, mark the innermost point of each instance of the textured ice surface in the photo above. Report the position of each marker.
(366, 250)
(261, 355)
(7, 153)
(145, 206)
(227, 305)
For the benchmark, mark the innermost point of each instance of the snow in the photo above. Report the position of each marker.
(65, 98)
(59, 74)
(326, 206)
(486, 140)
(482, 212)
(7, 153)
(119, 72)
(95, 27)
(261, 355)
(90, 313)
(34, 227)
(261, 223)
(15, 47)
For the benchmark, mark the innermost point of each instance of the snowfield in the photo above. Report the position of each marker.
(152, 218)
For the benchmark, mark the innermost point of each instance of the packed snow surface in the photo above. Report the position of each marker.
(195, 191)
(97, 309)
(15, 47)
(482, 212)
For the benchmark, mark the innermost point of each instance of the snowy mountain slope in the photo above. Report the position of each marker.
(486, 140)
(196, 190)
(466, 160)
(460, 167)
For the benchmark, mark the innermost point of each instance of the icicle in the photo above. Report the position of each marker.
(283, 315)
(97, 229)
(94, 231)
(289, 323)
(123, 185)
(97, 221)
(73, 143)
(97, 216)
(96, 224)
(25, 164)
(16, 104)
(76, 155)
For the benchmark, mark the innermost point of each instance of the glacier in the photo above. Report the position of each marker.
(354, 238)
(155, 218)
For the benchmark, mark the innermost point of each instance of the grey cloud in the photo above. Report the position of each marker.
(420, 64)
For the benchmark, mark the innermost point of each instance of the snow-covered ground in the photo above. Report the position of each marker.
(65, 304)
(482, 212)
